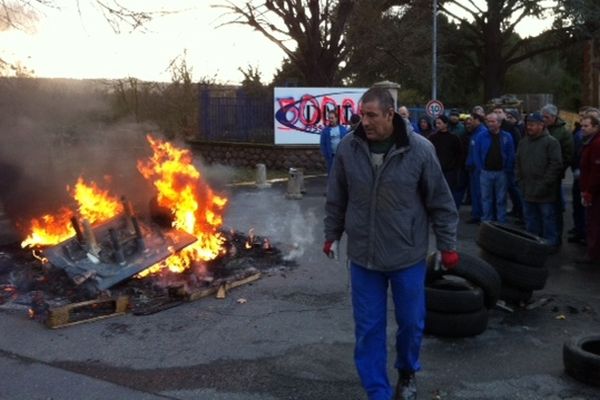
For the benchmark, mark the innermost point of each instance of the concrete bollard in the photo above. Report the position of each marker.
(295, 179)
(261, 176)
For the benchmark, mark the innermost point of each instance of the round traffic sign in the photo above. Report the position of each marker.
(434, 108)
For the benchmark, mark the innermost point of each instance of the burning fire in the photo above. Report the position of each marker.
(94, 204)
(180, 188)
(193, 205)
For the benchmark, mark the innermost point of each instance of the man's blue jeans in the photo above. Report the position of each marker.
(369, 302)
(540, 219)
(476, 207)
(493, 195)
(515, 194)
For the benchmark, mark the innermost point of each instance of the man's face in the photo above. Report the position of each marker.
(377, 123)
(500, 113)
(493, 123)
(440, 125)
(549, 120)
(333, 119)
(587, 129)
(454, 118)
(511, 119)
(534, 128)
(469, 123)
(403, 111)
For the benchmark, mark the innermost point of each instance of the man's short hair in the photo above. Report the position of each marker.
(478, 117)
(386, 101)
(354, 119)
(550, 109)
(592, 111)
(593, 119)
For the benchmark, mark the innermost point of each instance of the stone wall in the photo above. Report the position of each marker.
(249, 154)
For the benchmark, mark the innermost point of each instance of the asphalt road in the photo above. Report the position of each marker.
(293, 338)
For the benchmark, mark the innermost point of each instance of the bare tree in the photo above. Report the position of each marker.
(488, 31)
(309, 32)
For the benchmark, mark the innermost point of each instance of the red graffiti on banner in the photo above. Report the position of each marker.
(310, 113)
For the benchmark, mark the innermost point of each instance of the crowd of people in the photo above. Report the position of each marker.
(489, 158)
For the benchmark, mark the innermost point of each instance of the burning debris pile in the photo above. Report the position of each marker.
(102, 249)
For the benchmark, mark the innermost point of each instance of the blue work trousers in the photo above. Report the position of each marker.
(540, 219)
(475, 186)
(369, 302)
(493, 195)
(515, 194)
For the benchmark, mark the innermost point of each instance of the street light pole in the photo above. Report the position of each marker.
(434, 60)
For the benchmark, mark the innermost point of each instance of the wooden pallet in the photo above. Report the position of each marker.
(86, 311)
(221, 289)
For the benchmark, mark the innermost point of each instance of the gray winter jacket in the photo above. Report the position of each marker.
(386, 213)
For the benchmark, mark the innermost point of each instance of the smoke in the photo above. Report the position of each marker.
(301, 230)
(288, 226)
(54, 131)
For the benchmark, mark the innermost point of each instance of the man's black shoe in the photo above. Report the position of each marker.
(473, 221)
(406, 389)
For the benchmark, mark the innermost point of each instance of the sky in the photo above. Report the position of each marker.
(70, 44)
(66, 44)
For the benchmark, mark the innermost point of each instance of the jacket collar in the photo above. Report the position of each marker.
(400, 132)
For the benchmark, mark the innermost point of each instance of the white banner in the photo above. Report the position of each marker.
(301, 113)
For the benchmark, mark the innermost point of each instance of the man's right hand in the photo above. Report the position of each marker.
(331, 248)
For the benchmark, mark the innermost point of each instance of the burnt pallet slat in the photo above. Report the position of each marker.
(86, 311)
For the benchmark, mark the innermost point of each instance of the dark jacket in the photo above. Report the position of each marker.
(386, 212)
(590, 167)
(539, 168)
(560, 132)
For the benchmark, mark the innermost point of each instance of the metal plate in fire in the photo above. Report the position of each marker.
(114, 251)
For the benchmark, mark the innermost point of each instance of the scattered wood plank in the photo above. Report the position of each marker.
(222, 288)
(86, 311)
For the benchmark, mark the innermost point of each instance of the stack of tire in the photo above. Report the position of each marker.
(458, 300)
(518, 256)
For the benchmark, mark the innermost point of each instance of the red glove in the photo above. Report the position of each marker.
(586, 199)
(327, 247)
(450, 259)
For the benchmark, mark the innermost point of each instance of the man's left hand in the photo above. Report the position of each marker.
(450, 259)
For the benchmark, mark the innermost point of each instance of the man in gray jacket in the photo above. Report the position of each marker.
(385, 188)
(539, 169)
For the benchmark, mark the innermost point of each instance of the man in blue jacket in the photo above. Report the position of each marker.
(494, 156)
(477, 128)
(331, 137)
(385, 190)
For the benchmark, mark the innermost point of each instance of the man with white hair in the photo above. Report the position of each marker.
(558, 130)
(404, 113)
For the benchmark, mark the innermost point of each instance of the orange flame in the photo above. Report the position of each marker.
(93, 203)
(195, 208)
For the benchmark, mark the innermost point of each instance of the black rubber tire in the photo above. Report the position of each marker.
(456, 325)
(453, 296)
(517, 275)
(581, 358)
(476, 271)
(514, 295)
(513, 244)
